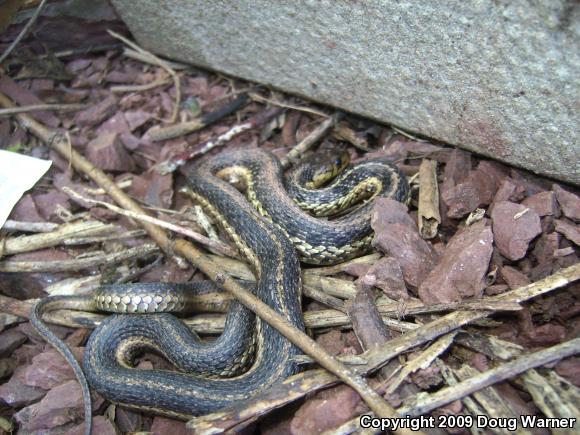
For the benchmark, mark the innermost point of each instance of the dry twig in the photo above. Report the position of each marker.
(218, 246)
(29, 227)
(23, 32)
(307, 143)
(175, 162)
(139, 88)
(183, 128)
(17, 245)
(79, 263)
(41, 107)
(428, 213)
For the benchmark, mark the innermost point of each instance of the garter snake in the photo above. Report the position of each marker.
(249, 356)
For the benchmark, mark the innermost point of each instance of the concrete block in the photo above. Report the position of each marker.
(500, 78)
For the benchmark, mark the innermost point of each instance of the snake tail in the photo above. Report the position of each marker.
(79, 303)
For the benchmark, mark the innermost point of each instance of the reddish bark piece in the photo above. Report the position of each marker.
(496, 289)
(394, 151)
(61, 405)
(10, 340)
(514, 227)
(531, 183)
(543, 203)
(357, 270)
(162, 426)
(197, 86)
(513, 277)
(461, 272)
(16, 394)
(130, 141)
(77, 65)
(153, 188)
(497, 171)
(130, 421)
(460, 200)
(326, 410)
(78, 337)
(49, 369)
(479, 362)
(427, 378)
(24, 97)
(548, 334)
(514, 399)
(25, 210)
(546, 247)
(387, 275)
(115, 124)
(107, 153)
(50, 202)
(457, 168)
(137, 118)
(508, 190)
(168, 272)
(422, 148)
(485, 184)
(564, 252)
(570, 231)
(569, 202)
(403, 242)
(120, 77)
(388, 211)
(476, 191)
(333, 342)
(102, 426)
(569, 368)
(47, 254)
(97, 113)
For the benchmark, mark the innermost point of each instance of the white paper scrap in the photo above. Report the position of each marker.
(18, 173)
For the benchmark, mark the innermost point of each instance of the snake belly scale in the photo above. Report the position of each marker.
(249, 356)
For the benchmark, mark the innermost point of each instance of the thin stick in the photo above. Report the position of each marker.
(145, 58)
(29, 227)
(79, 263)
(42, 107)
(342, 132)
(181, 129)
(218, 246)
(139, 88)
(423, 361)
(16, 245)
(159, 62)
(375, 402)
(23, 32)
(257, 97)
(307, 143)
(175, 162)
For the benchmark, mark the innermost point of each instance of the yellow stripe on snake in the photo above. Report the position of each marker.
(249, 356)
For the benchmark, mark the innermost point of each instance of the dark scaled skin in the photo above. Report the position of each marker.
(278, 272)
(270, 244)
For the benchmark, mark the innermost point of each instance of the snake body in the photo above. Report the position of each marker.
(272, 245)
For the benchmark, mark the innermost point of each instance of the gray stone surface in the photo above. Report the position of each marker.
(497, 77)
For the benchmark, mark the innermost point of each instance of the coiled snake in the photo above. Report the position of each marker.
(249, 356)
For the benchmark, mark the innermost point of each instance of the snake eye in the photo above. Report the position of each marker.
(338, 161)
